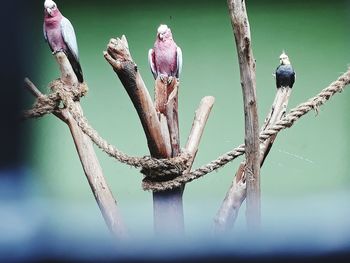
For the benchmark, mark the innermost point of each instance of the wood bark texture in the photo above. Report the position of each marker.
(160, 126)
(240, 24)
(237, 192)
(87, 155)
(168, 205)
(198, 125)
(118, 55)
(88, 158)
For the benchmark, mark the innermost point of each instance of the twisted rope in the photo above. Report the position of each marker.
(151, 167)
(286, 122)
(47, 104)
(43, 105)
(166, 174)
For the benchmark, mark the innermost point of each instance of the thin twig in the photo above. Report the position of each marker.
(32, 88)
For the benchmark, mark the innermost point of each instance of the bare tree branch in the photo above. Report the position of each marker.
(228, 212)
(118, 55)
(168, 207)
(87, 155)
(169, 203)
(199, 122)
(240, 24)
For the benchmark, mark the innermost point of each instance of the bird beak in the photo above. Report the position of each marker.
(161, 36)
(48, 10)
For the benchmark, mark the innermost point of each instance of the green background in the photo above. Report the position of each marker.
(308, 161)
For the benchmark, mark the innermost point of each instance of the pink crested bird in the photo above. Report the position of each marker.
(165, 59)
(59, 34)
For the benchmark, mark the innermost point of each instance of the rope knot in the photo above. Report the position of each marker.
(60, 92)
(64, 92)
(162, 170)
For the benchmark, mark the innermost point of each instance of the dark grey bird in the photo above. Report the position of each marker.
(285, 75)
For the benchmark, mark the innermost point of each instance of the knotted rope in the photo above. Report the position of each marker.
(166, 174)
(286, 122)
(151, 167)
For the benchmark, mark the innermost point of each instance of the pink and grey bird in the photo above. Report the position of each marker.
(165, 58)
(59, 34)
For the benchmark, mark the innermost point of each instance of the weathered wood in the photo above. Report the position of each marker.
(88, 158)
(118, 55)
(167, 205)
(240, 24)
(168, 213)
(166, 104)
(278, 111)
(228, 212)
(165, 133)
(173, 116)
(160, 96)
(198, 125)
(87, 155)
(95, 177)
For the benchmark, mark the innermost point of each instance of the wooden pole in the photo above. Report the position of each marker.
(228, 212)
(168, 209)
(87, 155)
(240, 24)
(168, 205)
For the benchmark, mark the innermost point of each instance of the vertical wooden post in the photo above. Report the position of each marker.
(240, 24)
(168, 205)
(168, 210)
(88, 158)
(228, 212)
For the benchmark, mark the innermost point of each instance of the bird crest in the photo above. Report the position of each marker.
(162, 29)
(49, 4)
(284, 59)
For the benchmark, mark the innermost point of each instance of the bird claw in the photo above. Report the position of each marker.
(162, 77)
(57, 51)
(166, 79)
(170, 80)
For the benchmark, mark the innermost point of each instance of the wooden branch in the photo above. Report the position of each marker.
(119, 57)
(167, 205)
(240, 24)
(87, 155)
(166, 105)
(32, 88)
(61, 114)
(173, 116)
(95, 177)
(199, 122)
(228, 212)
(160, 123)
(236, 194)
(278, 111)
